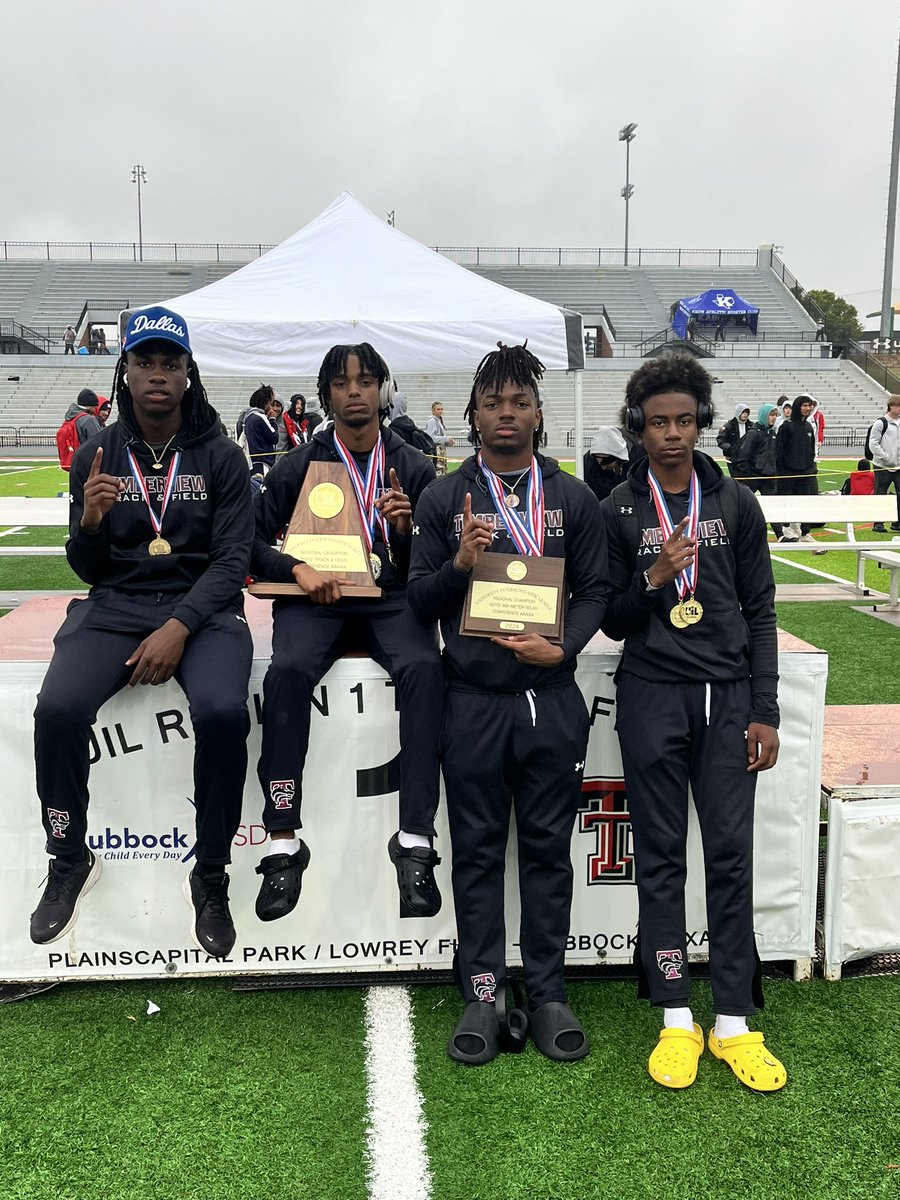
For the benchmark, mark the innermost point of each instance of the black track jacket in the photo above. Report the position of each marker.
(736, 638)
(436, 590)
(274, 505)
(208, 522)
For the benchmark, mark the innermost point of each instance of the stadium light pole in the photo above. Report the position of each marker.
(626, 135)
(139, 176)
(886, 329)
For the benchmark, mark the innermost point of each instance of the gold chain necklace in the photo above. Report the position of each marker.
(512, 500)
(157, 465)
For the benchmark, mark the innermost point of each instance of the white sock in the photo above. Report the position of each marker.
(729, 1027)
(284, 845)
(678, 1018)
(410, 840)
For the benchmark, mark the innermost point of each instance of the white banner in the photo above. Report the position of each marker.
(135, 922)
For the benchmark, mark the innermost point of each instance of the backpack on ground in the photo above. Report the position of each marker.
(67, 440)
(867, 449)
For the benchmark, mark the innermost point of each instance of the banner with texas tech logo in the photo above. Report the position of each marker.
(135, 922)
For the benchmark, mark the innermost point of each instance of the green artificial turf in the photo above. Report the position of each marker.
(523, 1128)
(219, 1096)
(863, 652)
(42, 478)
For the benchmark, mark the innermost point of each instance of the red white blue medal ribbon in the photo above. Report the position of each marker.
(686, 583)
(156, 521)
(526, 530)
(366, 490)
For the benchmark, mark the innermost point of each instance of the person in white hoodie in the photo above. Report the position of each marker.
(884, 440)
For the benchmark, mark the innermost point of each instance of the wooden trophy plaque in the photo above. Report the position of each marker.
(511, 593)
(325, 531)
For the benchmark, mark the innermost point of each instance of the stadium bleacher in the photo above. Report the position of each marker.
(35, 390)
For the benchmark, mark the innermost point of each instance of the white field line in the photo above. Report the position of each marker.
(398, 1167)
(13, 529)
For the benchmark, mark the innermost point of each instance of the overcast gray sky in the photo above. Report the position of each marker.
(480, 122)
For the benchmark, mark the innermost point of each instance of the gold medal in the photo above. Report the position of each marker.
(376, 565)
(512, 500)
(516, 570)
(691, 611)
(676, 616)
(158, 546)
(326, 500)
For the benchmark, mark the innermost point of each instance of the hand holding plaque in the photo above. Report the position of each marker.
(325, 533)
(509, 594)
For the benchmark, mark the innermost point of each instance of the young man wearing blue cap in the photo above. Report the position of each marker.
(160, 527)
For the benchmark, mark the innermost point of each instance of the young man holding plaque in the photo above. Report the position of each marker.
(696, 704)
(312, 630)
(160, 527)
(516, 726)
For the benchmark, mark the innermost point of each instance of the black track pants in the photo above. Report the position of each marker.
(672, 735)
(306, 640)
(884, 477)
(88, 667)
(526, 750)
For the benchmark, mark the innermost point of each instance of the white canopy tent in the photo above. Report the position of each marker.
(348, 276)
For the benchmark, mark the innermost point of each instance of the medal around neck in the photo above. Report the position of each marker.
(159, 546)
(326, 532)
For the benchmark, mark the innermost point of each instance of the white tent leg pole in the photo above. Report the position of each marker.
(579, 425)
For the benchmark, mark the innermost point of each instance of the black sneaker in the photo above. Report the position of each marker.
(878, 528)
(213, 928)
(57, 910)
(895, 526)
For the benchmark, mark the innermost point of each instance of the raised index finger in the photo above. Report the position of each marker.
(395, 482)
(467, 509)
(95, 465)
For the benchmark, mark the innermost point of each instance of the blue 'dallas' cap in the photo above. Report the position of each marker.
(157, 324)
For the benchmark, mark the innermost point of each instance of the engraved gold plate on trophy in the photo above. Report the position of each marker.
(511, 594)
(325, 532)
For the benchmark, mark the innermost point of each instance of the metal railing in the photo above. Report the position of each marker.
(28, 435)
(565, 256)
(888, 378)
(153, 252)
(15, 330)
(794, 286)
(842, 436)
(517, 256)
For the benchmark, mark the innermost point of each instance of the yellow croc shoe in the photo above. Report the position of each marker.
(673, 1062)
(754, 1064)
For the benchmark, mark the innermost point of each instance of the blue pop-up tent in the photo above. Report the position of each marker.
(710, 306)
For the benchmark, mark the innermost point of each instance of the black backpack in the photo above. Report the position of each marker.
(867, 449)
(425, 442)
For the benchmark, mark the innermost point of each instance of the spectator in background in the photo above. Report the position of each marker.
(861, 482)
(729, 436)
(401, 422)
(779, 408)
(606, 461)
(820, 330)
(104, 408)
(754, 460)
(87, 424)
(69, 340)
(312, 417)
(434, 427)
(795, 459)
(94, 339)
(884, 440)
(260, 434)
(719, 335)
(816, 418)
(289, 434)
(101, 340)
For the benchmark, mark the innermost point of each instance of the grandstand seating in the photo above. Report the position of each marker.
(849, 398)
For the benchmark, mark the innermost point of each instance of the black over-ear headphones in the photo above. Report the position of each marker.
(634, 416)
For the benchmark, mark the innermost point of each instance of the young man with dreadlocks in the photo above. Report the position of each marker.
(311, 632)
(516, 726)
(696, 704)
(161, 525)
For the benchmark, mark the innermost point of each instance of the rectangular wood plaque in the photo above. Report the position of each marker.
(510, 593)
(325, 531)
